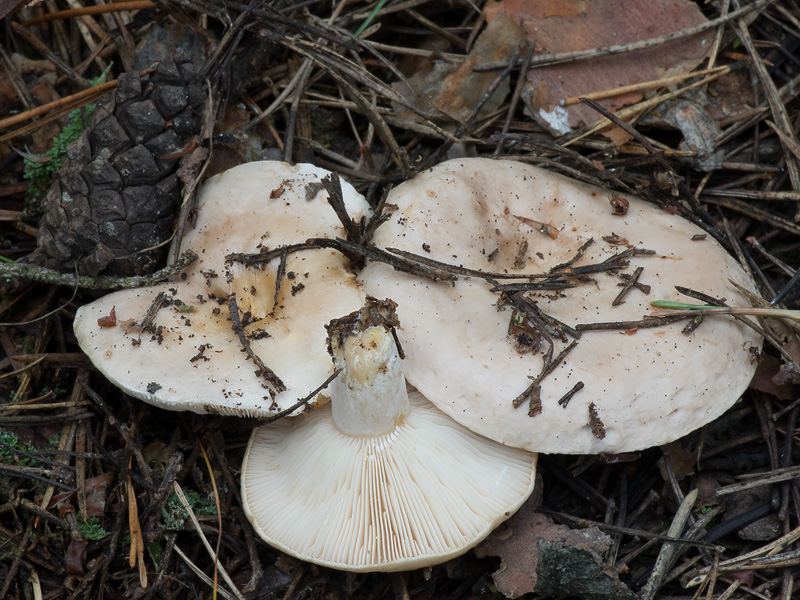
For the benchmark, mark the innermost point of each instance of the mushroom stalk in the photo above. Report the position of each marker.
(369, 396)
(420, 490)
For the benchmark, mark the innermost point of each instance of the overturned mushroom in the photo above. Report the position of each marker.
(230, 337)
(501, 351)
(379, 479)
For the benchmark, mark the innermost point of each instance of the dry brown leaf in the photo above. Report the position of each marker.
(554, 560)
(228, 155)
(462, 90)
(682, 461)
(743, 503)
(40, 79)
(764, 379)
(732, 94)
(455, 89)
(96, 488)
(699, 130)
(564, 26)
(7, 6)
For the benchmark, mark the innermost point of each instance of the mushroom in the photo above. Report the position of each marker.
(378, 479)
(490, 355)
(175, 344)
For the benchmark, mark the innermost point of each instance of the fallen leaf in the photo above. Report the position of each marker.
(699, 131)
(566, 26)
(76, 558)
(732, 94)
(233, 147)
(40, 78)
(553, 560)
(745, 502)
(682, 461)
(764, 379)
(7, 6)
(454, 90)
(462, 90)
(96, 488)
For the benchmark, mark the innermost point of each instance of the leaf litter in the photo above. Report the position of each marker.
(706, 153)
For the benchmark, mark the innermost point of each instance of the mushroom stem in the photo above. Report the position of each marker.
(369, 396)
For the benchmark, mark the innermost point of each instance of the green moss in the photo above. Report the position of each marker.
(174, 514)
(40, 172)
(11, 446)
(92, 530)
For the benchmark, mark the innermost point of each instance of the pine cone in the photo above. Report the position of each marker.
(116, 192)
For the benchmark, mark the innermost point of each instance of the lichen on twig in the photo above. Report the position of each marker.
(36, 273)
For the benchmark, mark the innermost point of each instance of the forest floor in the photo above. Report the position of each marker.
(704, 123)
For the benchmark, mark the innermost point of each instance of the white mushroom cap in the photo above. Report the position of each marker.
(640, 389)
(405, 487)
(194, 360)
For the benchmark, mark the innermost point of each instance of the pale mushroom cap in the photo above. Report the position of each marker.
(196, 362)
(645, 388)
(424, 493)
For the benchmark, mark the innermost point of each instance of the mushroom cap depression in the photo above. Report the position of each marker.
(189, 357)
(641, 386)
(421, 494)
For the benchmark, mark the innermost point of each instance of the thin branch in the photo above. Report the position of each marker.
(274, 383)
(33, 272)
